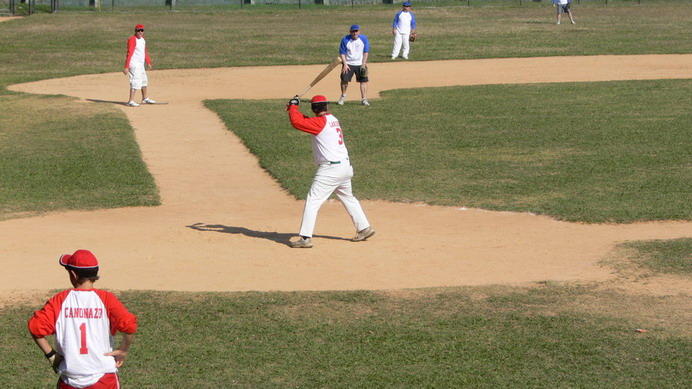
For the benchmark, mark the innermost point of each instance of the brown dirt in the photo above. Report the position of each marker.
(224, 223)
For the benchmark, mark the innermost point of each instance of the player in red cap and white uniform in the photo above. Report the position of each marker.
(137, 56)
(83, 321)
(334, 170)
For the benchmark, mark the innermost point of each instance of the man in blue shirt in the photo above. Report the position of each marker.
(403, 27)
(354, 51)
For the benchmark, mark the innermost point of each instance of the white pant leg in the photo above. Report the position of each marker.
(404, 40)
(345, 193)
(326, 180)
(397, 45)
(138, 77)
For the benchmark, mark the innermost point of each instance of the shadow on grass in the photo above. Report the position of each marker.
(278, 237)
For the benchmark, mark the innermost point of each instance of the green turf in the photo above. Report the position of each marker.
(664, 256)
(65, 159)
(594, 152)
(70, 43)
(547, 337)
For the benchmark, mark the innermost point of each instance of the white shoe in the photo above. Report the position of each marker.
(341, 100)
(573, 22)
(405, 57)
(302, 243)
(558, 22)
(363, 234)
(132, 104)
(365, 102)
(393, 58)
(148, 101)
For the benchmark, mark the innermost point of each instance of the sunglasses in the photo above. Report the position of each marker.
(140, 30)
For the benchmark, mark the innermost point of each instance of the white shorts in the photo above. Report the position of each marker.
(138, 77)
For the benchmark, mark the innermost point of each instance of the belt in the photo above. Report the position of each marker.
(334, 162)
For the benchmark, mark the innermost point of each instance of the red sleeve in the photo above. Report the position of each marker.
(120, 318)
(43, 322)
(131, 43)
(311, 125)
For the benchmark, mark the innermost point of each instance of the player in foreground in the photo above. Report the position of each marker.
(403, 28)
(84, 321)
(334, 170)
(354, 50)
(562, 7)
(137, 55)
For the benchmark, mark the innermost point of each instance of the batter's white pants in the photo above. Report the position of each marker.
(400, 40)
(332, 179)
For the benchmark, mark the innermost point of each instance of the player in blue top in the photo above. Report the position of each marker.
(403, 27)
(354, 57)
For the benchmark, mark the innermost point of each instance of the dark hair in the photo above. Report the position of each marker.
(319, 107)
(85, 274)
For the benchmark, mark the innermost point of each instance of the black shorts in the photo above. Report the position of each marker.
(353, 69)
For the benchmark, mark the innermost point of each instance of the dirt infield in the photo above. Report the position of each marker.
(224, 223)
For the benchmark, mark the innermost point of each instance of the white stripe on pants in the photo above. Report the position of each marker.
(399, 40)
(332, 179)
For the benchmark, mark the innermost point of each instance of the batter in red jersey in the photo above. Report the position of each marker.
(137, 56)
(334, 170)
(83, 322)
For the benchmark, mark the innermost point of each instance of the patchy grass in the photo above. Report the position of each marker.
(548, 335)
(68, 159)
(663, 256)
(88, 42)
(604, 155)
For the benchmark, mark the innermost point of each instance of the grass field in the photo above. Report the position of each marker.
(79, 43)
(531, 148)
(549, 335)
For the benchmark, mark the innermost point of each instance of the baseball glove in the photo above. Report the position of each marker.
(412, 37)
(363, 71)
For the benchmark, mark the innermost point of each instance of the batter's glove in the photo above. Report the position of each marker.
(412, 37)
(363, 71)
(294, 101)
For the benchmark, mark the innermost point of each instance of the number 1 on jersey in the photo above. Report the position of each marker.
(83, 343)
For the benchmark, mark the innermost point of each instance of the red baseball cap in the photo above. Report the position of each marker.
(319, 99)
(80, 260)
(137, 27)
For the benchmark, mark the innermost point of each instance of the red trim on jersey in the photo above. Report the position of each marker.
(121, 320)
(311, 125)
(43, 322)
(131, 44)
(108, 381)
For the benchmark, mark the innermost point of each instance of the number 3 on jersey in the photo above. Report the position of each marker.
(83, 349)
(341, 135)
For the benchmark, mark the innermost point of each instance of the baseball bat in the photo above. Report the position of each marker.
(320, 76)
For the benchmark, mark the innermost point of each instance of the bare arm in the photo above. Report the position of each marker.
(344, 66)
(121, 353)
(43, 344)
(47, 349)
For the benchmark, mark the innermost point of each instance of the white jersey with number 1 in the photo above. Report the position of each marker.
(83, 322)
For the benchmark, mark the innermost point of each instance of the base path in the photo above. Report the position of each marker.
(224, 224)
